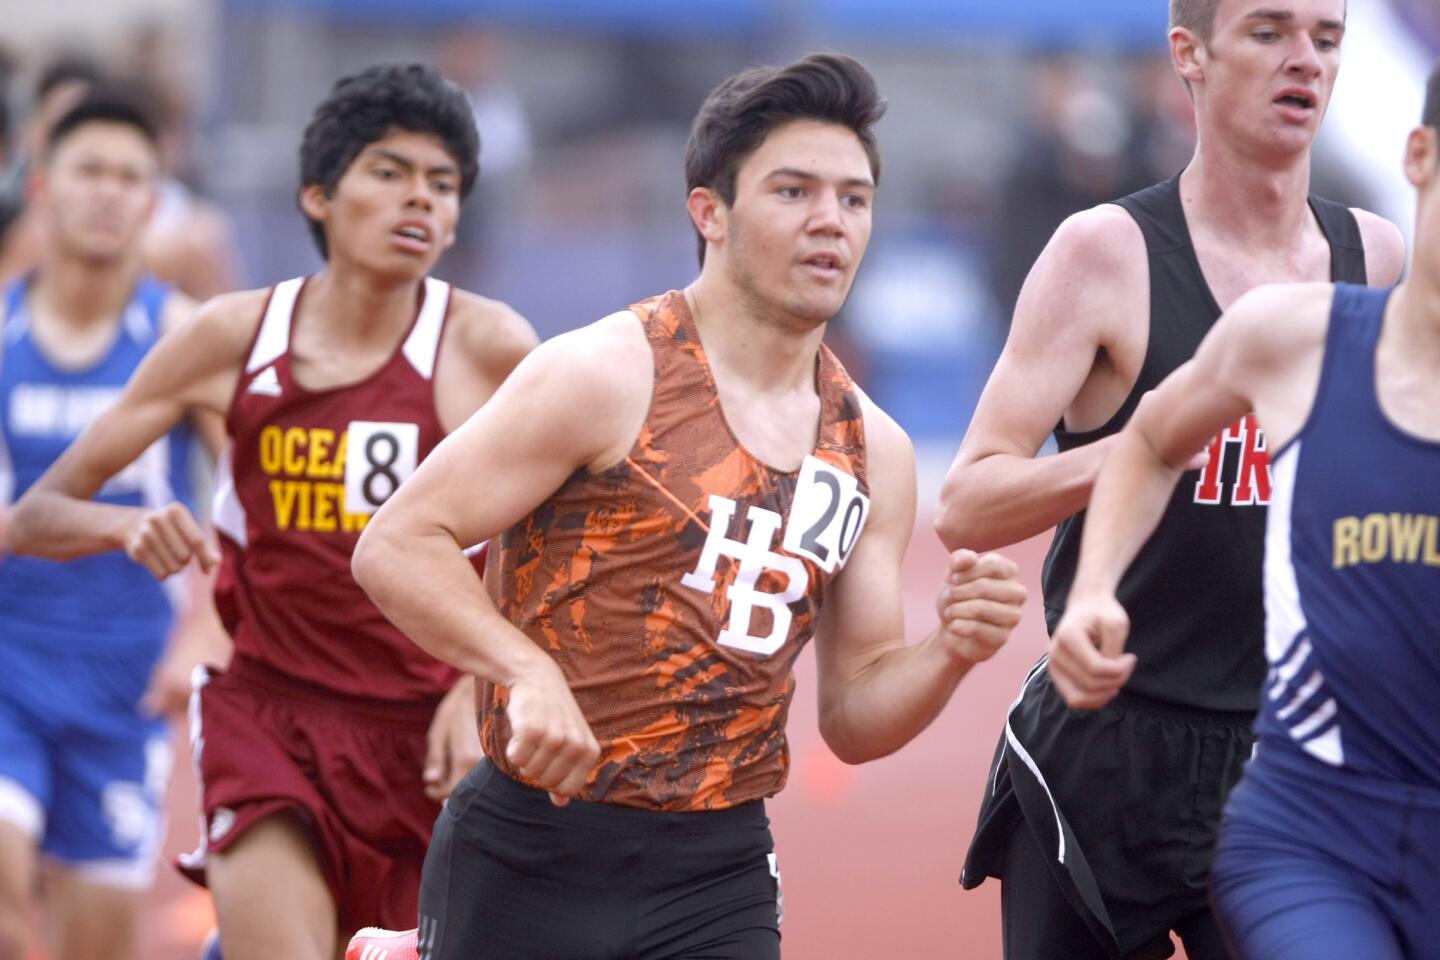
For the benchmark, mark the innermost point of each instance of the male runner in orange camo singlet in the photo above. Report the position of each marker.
(685, 492)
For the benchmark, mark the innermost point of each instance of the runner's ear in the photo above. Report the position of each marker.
(1422, 156)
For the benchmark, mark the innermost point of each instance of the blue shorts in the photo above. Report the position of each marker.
(82, 770)
(1316, 863)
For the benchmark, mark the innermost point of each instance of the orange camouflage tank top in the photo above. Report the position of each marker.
(676, 589)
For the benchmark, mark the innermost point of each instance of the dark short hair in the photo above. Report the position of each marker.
(108, 104)
(367, 106)
(67, 68)
(740, 113)
(1430, 116)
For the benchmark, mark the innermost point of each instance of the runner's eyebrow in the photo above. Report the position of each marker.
(808, 175)
(406, 163)
(1282, 16)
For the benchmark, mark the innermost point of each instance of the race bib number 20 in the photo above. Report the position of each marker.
(827, 515)
(378, 458)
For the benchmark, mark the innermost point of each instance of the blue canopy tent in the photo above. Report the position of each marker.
(1046, 23)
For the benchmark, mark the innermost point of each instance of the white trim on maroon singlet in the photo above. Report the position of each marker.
(273, 339)
(227, 513)
(423, 344)
(197, 858)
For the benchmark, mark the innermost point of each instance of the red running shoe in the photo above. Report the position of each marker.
(372, 943)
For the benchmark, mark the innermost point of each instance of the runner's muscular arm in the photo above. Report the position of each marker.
(560, 411)
(208, 425)
(1261, 355)
(484, 341)
(178, 308)
(1090, 280)
(197, 637)
(876, 693)
(194, 366)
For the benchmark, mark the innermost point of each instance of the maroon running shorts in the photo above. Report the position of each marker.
(347, 767)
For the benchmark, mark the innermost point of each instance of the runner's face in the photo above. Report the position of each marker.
(395, 208)
(801, 219)
(1270, 69)
(98, 190)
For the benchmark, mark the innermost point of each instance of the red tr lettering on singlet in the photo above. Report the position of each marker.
(1252, 477)
(1252, 484)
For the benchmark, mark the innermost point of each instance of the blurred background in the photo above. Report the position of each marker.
(1004, 118)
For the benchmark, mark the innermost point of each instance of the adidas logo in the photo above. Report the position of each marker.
(267, 383)
(373, 952)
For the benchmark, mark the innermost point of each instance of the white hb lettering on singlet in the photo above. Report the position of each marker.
(754, 556)
(827, 514)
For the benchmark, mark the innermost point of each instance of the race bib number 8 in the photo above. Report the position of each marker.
(378, 458)
(826, 516)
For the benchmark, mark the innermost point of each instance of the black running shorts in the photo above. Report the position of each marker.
(511, 876)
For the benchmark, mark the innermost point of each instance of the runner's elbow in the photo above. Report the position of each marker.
(946, 527)
(369, 563)
(846, 743)
(20, 532)
(855, 754)
(960, 527)
(846, 751)
(963, 517)
(963, 531)
(952, 512)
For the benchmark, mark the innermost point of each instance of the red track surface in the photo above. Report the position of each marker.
(869, 855)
